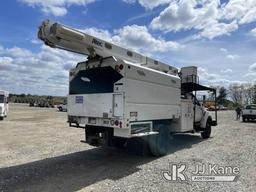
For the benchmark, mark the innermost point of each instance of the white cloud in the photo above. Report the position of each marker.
(210, 18)
(218, 29)
(249, 17)
(36, 41)
(139, 38)
(100, 33)
(212, 79)
(186, 15)
(191, 14)
(226, 71)
(223, 50)
(242, 10)
(143, 15)
(56, 11)
(129, 1)
(252, 68)
(55, 7)
(6, 60)
(135, 37)
(253, 32)
(232, 57)
(251, 71)
(149, 4)
(36, 73)
(16, 52)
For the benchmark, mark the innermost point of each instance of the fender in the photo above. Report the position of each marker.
(204, 119)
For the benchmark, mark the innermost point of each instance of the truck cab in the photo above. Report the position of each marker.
(4, 107)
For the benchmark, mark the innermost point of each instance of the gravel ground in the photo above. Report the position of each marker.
(39, 152)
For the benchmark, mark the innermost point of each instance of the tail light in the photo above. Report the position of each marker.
(121, 67)
(116, 123)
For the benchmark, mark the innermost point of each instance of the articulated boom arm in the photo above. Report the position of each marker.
(59, 36)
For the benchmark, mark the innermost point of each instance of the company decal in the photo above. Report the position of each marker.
(79, 99)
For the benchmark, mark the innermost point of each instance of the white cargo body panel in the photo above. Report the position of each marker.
(90, 105)
(151, 95)
(185, 122)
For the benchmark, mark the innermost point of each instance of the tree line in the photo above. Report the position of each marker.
(28, 98)
(238, 94)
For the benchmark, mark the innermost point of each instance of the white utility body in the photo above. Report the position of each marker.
(4, 106)
(118, 94)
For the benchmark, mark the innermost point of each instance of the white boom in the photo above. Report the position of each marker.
(59, 36)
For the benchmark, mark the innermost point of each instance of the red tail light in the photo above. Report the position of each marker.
(121, 67)
(116, 123)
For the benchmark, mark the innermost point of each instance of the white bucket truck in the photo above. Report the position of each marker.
(119, 96)
(4, 107)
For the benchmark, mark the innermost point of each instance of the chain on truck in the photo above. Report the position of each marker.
(119, 96)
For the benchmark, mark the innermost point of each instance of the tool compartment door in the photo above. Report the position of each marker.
(118, 105)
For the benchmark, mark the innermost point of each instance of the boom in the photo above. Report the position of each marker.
(59, 36)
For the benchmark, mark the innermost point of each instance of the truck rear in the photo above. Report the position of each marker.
(119, 99)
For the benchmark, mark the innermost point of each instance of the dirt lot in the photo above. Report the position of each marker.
(39, 152)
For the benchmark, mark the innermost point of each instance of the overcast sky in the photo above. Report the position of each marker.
(217, 36)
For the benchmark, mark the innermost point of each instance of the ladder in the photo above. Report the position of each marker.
(59, 36)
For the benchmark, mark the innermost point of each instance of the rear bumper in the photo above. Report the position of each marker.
(251, 116)
(100, 122)
(120, 129)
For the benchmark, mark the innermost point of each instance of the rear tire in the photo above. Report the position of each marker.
(1, 118)
(208, 129)
(137, 146)
(159, 144)
(244, 119)
(119, 143)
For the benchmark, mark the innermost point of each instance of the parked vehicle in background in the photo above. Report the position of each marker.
(219, 108)
(222, 107)
(63, 107)
(212, 108)
(4, 107)
(249, 113)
